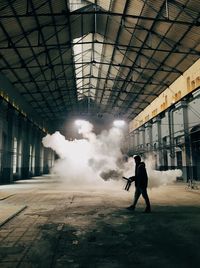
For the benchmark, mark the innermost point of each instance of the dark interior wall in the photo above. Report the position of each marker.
(21, 149)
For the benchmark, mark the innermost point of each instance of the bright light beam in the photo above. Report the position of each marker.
(79, 122)
(119, 123)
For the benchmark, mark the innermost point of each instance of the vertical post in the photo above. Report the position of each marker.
(149, 136)
(142, 140)
(171, 135)
(25, 149)
(8, 169)
(159, 142)
(19, 147)
(1, 139)
(188, 161)
(167, 9)
(37, 152)
(137, 139)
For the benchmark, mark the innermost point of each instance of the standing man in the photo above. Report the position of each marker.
(141, 182)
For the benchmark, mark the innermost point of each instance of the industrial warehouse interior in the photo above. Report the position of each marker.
(88, 87)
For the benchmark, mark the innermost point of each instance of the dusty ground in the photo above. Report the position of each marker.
(60, 226)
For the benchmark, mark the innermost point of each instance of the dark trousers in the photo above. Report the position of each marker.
(143, 192)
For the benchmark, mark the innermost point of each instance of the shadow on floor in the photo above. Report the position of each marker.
(168, 237)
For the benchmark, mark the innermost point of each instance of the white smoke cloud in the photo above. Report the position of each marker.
(96, 159)
(158, 178)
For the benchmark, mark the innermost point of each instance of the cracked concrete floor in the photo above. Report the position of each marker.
(68, 227)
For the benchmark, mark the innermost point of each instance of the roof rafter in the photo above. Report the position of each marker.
(107, 13)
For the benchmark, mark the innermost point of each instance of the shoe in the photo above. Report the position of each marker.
(147, 210)
(131, 207)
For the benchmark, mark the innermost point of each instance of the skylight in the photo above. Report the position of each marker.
(77, 4)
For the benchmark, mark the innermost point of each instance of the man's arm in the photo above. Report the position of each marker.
(132, 178)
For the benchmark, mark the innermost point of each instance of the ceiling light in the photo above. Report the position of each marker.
(119, 123)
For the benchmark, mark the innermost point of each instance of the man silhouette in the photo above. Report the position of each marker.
(141, 182)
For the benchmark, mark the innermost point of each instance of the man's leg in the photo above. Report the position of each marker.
(146, 198)
(136, 197)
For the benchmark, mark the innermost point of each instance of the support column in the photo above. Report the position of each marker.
(32, 142)
(131, 143)
(8, 161)
(46, 160)
(171, 136)
(1, 139)
(159, 148)
(187, 148)
(37, 152)
(25, 149)
(142, 134)
(19, 147)
(148, 127)
(136, 143)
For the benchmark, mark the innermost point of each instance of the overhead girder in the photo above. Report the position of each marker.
(93, 62)
(105, 13)
(147, 81)
(108, 78)
(130, 48)
(29, 73)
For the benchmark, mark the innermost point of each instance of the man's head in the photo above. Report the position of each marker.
(137, 159)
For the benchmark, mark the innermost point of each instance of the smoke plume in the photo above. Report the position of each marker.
(97, 159)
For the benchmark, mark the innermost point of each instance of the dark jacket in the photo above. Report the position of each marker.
(141, 178)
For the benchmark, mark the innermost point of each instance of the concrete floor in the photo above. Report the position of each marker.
(47, 224)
